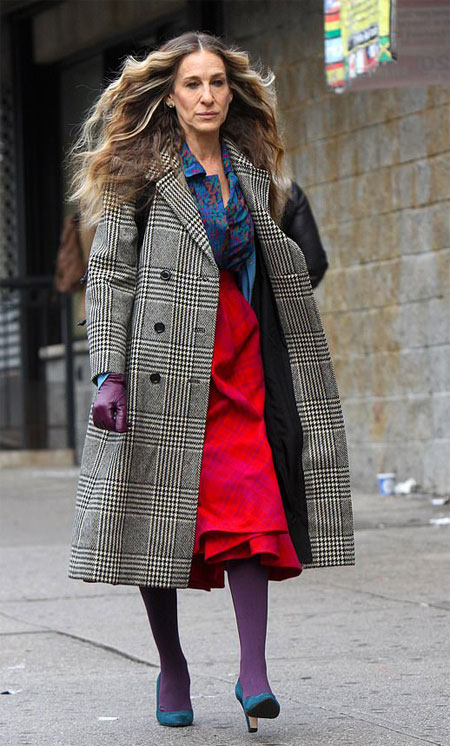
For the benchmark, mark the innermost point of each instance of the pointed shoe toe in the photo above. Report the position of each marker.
(174, 718)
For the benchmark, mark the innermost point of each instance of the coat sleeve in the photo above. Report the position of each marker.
(299, 224)
(111, 282)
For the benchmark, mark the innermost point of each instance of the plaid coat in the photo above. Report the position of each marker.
(152, 318)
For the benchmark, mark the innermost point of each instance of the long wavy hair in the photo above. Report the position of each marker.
(129, 131)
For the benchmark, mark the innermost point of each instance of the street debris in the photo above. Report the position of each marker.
(444, 521)
(106, 718)
(405, 488)
(386, 483)
(11, 691)
(440, 500)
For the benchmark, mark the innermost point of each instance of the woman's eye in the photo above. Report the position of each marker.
(194, 84)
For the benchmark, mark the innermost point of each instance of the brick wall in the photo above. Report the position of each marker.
(375, 167)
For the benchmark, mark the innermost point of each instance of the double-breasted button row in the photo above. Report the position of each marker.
(156, 378)
(159, 327)
(166, 274)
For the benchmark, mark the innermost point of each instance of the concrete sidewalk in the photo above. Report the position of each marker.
(357, 656)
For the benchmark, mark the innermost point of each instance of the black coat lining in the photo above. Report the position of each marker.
(284, 430)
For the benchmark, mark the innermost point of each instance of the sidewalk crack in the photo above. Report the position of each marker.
(99, 645)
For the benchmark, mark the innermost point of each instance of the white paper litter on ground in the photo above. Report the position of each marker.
(11, 691)
(439, 500)
(106, 718)
(441, 521)
(405, 488)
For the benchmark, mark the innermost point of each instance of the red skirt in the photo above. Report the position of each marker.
(240, 511)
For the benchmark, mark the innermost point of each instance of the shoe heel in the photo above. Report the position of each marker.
(263, 705)
(252, 722)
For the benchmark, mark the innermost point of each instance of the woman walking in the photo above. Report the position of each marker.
(216, 440)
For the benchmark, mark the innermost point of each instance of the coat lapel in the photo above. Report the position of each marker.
(174, 189)
(254, 182)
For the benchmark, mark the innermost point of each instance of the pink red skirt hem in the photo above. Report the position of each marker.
(208, 569)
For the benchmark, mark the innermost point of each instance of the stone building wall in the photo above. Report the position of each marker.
(375, 167)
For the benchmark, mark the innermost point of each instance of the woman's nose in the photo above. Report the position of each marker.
(206, 94)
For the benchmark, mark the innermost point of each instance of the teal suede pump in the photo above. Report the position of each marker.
(172, 717)
(263, 705)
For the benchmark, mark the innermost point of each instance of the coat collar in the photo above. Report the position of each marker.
(173, 187)
(254, 182)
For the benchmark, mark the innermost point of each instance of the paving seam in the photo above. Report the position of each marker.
(366, 720)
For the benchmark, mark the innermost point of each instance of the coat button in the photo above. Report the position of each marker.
(166, 274)
(159, 327)
(155, 377)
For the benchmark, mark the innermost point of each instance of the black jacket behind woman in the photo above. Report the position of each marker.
(298, 223)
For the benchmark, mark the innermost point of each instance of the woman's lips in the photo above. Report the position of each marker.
(207, 115)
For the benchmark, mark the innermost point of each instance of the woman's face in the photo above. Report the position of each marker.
(201, 93)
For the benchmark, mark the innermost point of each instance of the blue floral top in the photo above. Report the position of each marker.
(230, 228)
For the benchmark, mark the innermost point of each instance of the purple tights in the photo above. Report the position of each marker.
(161, 605)
(248, 583)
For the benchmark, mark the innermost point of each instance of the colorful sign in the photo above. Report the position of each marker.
(358, 38)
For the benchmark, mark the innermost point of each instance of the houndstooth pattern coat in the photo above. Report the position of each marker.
(152, 318)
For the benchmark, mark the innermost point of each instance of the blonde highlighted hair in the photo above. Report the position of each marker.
(129, 126)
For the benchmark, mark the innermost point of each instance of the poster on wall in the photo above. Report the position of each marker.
(359, 37)
(423, 48)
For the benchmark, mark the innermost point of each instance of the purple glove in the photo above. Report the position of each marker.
(110, 408)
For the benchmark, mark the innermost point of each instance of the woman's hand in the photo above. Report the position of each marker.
(110, 408)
